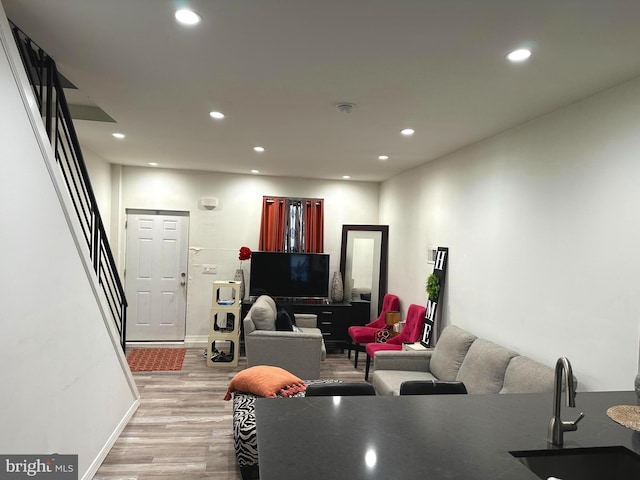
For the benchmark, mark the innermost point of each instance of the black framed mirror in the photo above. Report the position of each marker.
(363, 264)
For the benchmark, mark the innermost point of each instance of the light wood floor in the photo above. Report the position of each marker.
(183, 429)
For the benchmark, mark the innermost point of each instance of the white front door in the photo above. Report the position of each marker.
(156, 275)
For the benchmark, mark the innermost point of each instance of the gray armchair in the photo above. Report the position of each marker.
(299, 352)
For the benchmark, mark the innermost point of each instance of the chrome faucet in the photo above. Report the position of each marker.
(556, 426)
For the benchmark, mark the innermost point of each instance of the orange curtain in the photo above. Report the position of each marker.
(314, 226)
(278, 224)
(272, 224)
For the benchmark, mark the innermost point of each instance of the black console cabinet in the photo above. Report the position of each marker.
(333, 318)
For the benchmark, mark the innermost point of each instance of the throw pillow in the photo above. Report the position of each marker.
(292, 315)
(263, 314)
(382, 335)
(265, 381)
(283, 321)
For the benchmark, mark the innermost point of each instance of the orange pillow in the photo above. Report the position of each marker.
(265, 381)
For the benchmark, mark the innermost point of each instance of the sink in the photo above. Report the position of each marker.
(610, 463)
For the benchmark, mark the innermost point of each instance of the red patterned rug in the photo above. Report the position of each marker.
(156, 359)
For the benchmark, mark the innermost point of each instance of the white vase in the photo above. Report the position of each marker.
(337, 288)
(239, 277)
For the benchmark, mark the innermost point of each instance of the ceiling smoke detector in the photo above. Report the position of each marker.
(345, 107)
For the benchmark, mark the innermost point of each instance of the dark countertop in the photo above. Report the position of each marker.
(437, 437)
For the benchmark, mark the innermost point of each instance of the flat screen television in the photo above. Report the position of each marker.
(289, 275)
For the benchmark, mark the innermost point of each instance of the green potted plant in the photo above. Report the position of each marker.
(433, 287)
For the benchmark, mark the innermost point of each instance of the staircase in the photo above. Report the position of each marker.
(45, 82)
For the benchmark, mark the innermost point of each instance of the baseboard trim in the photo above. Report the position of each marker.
(155, 344)
(190, 341)
(193, 341)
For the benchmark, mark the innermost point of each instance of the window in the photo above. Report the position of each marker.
(292, 225)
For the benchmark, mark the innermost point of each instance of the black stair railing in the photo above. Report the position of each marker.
(45, 81)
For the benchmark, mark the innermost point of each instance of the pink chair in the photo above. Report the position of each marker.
(361, 335)
(410, 333)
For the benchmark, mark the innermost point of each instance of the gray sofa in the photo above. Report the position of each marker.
(297, 352)
(481, 365)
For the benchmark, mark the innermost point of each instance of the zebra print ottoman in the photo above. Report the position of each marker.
(244, 430)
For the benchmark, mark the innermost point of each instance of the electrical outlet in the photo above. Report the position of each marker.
(209, 269)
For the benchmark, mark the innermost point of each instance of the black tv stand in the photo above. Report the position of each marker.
(303, 301)
(299, 300)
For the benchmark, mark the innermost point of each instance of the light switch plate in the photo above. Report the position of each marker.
(209, 269)
(432, 252)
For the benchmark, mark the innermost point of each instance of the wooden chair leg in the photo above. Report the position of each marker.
(355, 362)
(366, 368)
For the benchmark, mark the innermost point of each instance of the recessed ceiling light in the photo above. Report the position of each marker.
(153, 164)
(118, 135)
(255, 171)
(408, 131)
(383, 157)
(519, 55)
(346, 177)
(217, 115)
(187, 17)
(259, 149)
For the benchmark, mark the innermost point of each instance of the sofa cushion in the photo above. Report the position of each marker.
(483, 368)
(449, 352)
(263, 313)
(524, 375)
(387, 382)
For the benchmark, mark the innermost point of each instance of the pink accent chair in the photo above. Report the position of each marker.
(362, 335)
(410, 333)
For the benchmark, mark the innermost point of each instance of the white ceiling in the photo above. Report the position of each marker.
(278, 68)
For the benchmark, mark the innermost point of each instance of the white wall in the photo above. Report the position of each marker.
(100, 174)
(64, 384)
(217, 235)
(543, 226)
